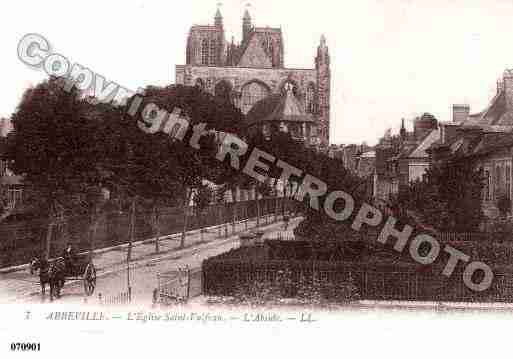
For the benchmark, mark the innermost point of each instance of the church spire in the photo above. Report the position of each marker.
(218, 19)
(323, 57)
(246, 24)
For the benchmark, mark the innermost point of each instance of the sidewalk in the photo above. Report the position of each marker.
(169, 245)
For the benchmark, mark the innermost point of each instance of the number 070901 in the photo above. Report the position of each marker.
(25, 347)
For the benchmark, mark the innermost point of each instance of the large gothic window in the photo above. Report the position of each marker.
(212, 56)
(251, 94)
(204, 52)
(310, 99)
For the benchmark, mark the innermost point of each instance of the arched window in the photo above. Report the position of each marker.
(213, 49)
(251, 94)
(310, 99)
(204, 52)
(270, 51)
(289, 85)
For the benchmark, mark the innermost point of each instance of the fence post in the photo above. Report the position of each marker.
(100, 298)
(188, 271)
(155, 296)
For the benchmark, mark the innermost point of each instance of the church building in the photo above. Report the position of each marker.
(254, 70)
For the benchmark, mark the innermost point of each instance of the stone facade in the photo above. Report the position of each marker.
(252, 70)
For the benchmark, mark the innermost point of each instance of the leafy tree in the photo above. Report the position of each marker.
(53, 145)
(449, 197)
(187, 166)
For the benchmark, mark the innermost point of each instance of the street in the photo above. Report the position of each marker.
(146, 264)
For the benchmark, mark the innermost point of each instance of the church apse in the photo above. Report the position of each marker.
(253, 69)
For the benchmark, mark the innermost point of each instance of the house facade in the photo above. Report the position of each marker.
(485, 138)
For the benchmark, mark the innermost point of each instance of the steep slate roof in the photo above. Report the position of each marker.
(420, 151)
(494, 117)
(255, 32)
(491, 142)
(278, 107)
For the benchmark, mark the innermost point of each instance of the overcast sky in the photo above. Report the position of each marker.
(390, 59)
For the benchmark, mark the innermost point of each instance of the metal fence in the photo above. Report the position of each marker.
(225, 276)
(474, 236)
(122, 298)
(282, 236)
(178, 286)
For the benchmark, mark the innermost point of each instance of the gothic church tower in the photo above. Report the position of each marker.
(322, 65)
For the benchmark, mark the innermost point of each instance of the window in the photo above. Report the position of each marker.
(200, 83)
(213, 51)
(289, 86)
(251, 94)
(507, 181)
(204, 52)
(498, 182)
(14, 197)
(310, 99)
(487, 188)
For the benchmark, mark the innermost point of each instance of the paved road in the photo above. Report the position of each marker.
(111, 266)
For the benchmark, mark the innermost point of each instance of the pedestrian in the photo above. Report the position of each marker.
(286, 221)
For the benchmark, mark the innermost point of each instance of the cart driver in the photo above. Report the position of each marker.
(69, 257)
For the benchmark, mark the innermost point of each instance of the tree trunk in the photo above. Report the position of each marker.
(49, 238)
(276, 202)
(187, 199)
(258, 208)
(132, 230)
(234, 209)
(94, 227)
(156, 219)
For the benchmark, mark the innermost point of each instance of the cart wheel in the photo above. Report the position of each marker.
(89, 279)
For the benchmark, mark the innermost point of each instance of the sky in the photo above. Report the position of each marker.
(389, 59)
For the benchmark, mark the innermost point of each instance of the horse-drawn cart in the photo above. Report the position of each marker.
(55, 272)
(84, 270)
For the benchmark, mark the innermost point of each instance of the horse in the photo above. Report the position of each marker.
(52, 273)
(43, 266)
(57, 273)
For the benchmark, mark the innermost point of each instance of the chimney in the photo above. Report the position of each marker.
(508, 88)
(460, 113)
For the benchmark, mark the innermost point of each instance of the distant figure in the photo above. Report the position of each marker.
(286, 221)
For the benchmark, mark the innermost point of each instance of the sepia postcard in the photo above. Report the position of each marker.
(256, 179)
